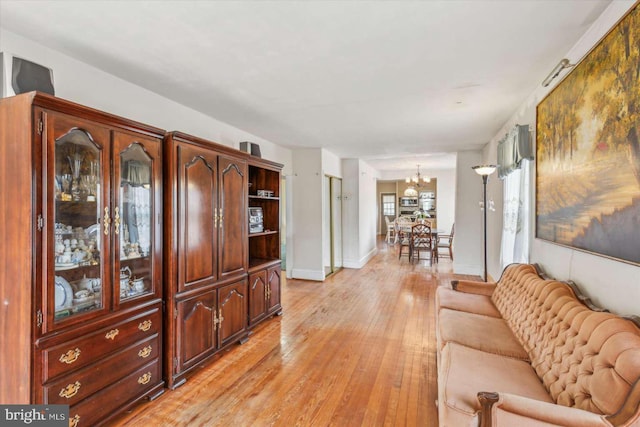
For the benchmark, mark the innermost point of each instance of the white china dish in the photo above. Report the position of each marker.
(64, 293)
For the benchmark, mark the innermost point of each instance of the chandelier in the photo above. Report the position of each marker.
(414, 181)
(417, 178)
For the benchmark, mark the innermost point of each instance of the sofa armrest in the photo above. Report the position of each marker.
(505, 409)
(472, 287)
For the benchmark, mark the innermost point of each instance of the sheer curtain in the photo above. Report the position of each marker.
(514, 153)
(515, 228)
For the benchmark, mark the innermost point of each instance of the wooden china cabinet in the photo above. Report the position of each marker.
(206, 252)
(81, 277)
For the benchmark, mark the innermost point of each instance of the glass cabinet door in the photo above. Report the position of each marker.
(136, 187)
(78, 243)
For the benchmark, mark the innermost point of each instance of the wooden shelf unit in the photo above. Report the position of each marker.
(264, 247)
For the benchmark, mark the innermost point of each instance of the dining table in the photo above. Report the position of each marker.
(405, 227)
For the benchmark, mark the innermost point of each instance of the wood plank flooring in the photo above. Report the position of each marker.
(357, 349)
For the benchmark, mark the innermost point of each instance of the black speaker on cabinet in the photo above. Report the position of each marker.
(20, 75)
(251, 148)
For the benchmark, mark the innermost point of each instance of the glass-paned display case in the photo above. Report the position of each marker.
(77, 211)
(134, 222)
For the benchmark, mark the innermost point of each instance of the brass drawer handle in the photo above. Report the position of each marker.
(111, 335)
(70, 356)
(70, 390)
(145, 378)
(145, 326)
(145, 352)
(73, 422)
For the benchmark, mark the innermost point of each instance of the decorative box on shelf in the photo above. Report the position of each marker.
(265, 193)
(256, 224)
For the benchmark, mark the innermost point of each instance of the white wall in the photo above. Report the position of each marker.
(331, 164)
(307, 214)
(359, 212)
(467, 245)
(446, 201)
(350, 212)
(87, 85)
(494, 217)
(610, 284)
(368, 215)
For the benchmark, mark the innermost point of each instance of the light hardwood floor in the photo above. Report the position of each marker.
(357, 349)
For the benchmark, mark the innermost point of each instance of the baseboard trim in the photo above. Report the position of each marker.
(297, 273)
(467, 269)
(349, 263)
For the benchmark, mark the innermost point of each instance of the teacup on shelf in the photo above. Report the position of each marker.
(82, 294)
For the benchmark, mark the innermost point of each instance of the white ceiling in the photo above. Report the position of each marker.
(393, 82)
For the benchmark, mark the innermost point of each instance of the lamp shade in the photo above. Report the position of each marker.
(484, 170)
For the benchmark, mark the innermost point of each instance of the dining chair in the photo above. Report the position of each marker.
(404, 241)
(391, 231)
(445, 241)
(421, 241)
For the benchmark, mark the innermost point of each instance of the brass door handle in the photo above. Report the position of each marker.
(106, 221)
(116, 223)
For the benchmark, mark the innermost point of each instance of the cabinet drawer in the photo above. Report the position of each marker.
(76, 386)
(82, 351)
(110, 400)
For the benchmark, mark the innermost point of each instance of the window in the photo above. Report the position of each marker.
(515, 223)
(389, 204)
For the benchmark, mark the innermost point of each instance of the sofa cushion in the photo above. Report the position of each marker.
(465, 371)
(480, 332)
(462, 301)
(590, 360)
(530, 319)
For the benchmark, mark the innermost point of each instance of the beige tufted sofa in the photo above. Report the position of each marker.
(528, 351)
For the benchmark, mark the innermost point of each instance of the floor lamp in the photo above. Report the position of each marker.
(484, 171)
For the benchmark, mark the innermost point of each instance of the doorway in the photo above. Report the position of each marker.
(387, 210)
(332, 224)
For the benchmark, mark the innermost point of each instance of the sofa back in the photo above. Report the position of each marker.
(586, 359)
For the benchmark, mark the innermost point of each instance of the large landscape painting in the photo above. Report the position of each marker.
(588, 150)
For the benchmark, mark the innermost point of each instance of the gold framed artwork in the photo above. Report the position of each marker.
(588, 150)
